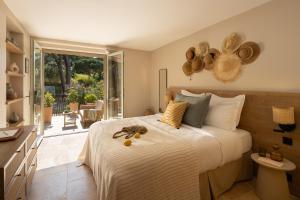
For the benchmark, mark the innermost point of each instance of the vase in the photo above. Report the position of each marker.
(14, 118)
(275, 154)
(10, 93)
(48, 114)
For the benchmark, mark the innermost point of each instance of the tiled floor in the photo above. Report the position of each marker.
(59, 175)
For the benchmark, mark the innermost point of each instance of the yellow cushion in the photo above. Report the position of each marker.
(174, 113)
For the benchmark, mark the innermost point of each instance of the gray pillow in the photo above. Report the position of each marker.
(197, 110)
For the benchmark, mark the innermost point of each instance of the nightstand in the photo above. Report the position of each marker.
(271, 180)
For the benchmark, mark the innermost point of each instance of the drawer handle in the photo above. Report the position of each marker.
(18, 175)
(33, 165)
(18, 151)
(20, 198)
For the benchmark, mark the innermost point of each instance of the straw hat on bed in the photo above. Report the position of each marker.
(227, 67)
(197, 64)
(248, 52)
(187, 68)
(190, 54)
(231, 43)
(210, 58)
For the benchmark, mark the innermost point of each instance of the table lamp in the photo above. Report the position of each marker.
(284, 117)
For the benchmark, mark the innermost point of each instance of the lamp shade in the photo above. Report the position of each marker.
(283, 115)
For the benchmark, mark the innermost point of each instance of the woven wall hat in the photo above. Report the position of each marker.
(197, 64)
(190, 54)
(231, 43)
(248, 52)
(210, 58)
(202, 49)
(227, 67)
(187, 68)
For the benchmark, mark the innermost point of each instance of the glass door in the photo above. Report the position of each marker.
(38, 90)
(114, 85)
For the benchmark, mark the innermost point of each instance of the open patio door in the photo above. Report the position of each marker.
(114, 86)
(37, 87)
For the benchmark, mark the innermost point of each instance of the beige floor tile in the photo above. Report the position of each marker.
(76, 171)
(238, 191)
(59, 175)
(49, 186)
(81, 189)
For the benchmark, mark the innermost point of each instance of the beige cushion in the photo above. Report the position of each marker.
(99, 105)
(174, 113)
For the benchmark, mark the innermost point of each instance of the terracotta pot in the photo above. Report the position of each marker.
(73, 106)
(47, 114)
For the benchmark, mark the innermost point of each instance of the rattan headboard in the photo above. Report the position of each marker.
(257, 119)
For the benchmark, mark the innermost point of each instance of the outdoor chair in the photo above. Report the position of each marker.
(91, 113)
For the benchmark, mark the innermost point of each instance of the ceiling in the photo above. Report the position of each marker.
(137, 24)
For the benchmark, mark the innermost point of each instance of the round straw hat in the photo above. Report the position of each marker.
(231, 43)
(227, 67)
(202, 48)
(197, 64)
(210, 58)
(187, 69)
(190, 54)
(248, 52)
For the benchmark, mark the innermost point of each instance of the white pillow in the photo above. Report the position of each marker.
(225, 113)
(190, 94)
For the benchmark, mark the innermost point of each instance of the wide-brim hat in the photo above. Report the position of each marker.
(197, 64)
(227, 67)
(190, 54)
(187, 68)
(248, 52)
(231, 43)
(202, 49)
(210, 58)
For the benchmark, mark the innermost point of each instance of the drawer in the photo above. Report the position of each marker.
(30, 173)
(12, 166)
(22, 192)
(31, 139)
(16, 183)
(31, 155)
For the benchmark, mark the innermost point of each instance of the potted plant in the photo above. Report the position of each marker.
(90, 99)
(49, 100)
(72, 99)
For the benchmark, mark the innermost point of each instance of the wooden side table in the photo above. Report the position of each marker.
(271, 183)
(70, 118)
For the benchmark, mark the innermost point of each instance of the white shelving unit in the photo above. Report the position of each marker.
(14, 54)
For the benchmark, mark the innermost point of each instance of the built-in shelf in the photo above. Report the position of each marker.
(11, 47)
(19, 123)
(14, 74)
(8, 102)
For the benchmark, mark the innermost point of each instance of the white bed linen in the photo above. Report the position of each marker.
(163, 164)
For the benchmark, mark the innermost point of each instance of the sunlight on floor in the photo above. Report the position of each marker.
(55, 151)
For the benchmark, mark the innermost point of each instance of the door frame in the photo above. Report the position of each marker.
(114, 53)
(80, 49)
(33, 44)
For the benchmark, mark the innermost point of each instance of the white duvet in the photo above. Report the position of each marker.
(164, 163)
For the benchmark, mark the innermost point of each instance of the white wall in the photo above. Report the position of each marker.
(274, 25)
(136, 82)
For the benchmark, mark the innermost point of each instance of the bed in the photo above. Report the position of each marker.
(165, 163)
